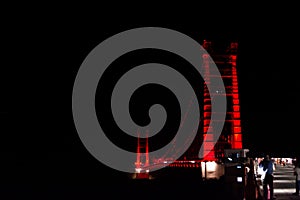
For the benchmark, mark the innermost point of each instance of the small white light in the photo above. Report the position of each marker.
(138, 170)
(239, 179)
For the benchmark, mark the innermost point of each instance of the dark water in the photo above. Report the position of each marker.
(174, 183)
(168, 183)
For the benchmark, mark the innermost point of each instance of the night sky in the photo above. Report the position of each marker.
(39, 133)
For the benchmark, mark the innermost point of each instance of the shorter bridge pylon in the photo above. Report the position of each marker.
(142, 153)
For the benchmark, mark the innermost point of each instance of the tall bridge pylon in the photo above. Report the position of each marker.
(231, 136)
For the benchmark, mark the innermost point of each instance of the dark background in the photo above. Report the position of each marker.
(40, 149)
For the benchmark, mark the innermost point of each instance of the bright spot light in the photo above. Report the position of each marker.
(138, 170)
(239, 179)
(211, 166)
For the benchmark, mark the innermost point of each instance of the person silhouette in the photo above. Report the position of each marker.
(297, 174)
(268, 167)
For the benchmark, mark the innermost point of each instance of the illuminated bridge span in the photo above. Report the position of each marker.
(231, 135)
(177, 163)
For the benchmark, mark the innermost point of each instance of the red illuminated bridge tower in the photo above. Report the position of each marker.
(231, 136)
